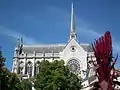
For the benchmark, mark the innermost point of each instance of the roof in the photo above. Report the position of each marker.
(87, 47)
(48, 48)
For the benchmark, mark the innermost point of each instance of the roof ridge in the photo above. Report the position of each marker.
(44, 45)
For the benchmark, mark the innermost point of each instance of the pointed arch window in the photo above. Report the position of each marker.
(20, 67)
(25, 68)
(29, 68)
(36, 68)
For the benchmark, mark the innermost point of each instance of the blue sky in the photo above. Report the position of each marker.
(48, 21)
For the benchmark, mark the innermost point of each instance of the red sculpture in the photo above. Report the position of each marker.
(105, 65)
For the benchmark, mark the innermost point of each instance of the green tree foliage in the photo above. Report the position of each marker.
(2, 60)
(56, 76)
(8, 80)
(25, 85)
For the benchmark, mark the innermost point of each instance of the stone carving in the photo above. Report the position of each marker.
(74, 65)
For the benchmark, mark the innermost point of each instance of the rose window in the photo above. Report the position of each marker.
(74, 65)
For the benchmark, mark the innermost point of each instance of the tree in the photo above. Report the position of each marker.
(8, 80)
(25, 85)
(3, 72)
(56, 76)
(12, 82)
(2, 60)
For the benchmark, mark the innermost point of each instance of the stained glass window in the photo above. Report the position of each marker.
(74, 65)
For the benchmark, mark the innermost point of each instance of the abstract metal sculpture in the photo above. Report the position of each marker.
(105, 65)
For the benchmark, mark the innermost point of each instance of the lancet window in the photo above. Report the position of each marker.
(37, 68)
(20, 67)
(29, 68)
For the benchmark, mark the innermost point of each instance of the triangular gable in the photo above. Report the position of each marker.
(71, 45)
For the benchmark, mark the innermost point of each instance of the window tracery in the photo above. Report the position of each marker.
(74, 65)
(37, 68)
(20, 67)
(29, 68)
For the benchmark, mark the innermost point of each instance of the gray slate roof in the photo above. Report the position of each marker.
(48, 48)
(87, 48)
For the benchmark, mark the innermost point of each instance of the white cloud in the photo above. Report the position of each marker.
(15, 35)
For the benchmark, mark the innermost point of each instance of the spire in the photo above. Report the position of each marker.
(72, 30)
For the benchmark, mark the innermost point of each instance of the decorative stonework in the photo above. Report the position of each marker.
(73, 53)
(73, 48)
(74, 65)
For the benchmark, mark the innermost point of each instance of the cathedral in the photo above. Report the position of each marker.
(76, 56)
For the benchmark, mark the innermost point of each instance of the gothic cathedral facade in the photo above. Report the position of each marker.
(76, 56)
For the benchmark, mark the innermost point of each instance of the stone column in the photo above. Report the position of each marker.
(24, 64)
(33, 67)
(24, 68)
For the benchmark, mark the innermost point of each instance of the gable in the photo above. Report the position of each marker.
(75, 51)
(73, 44)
